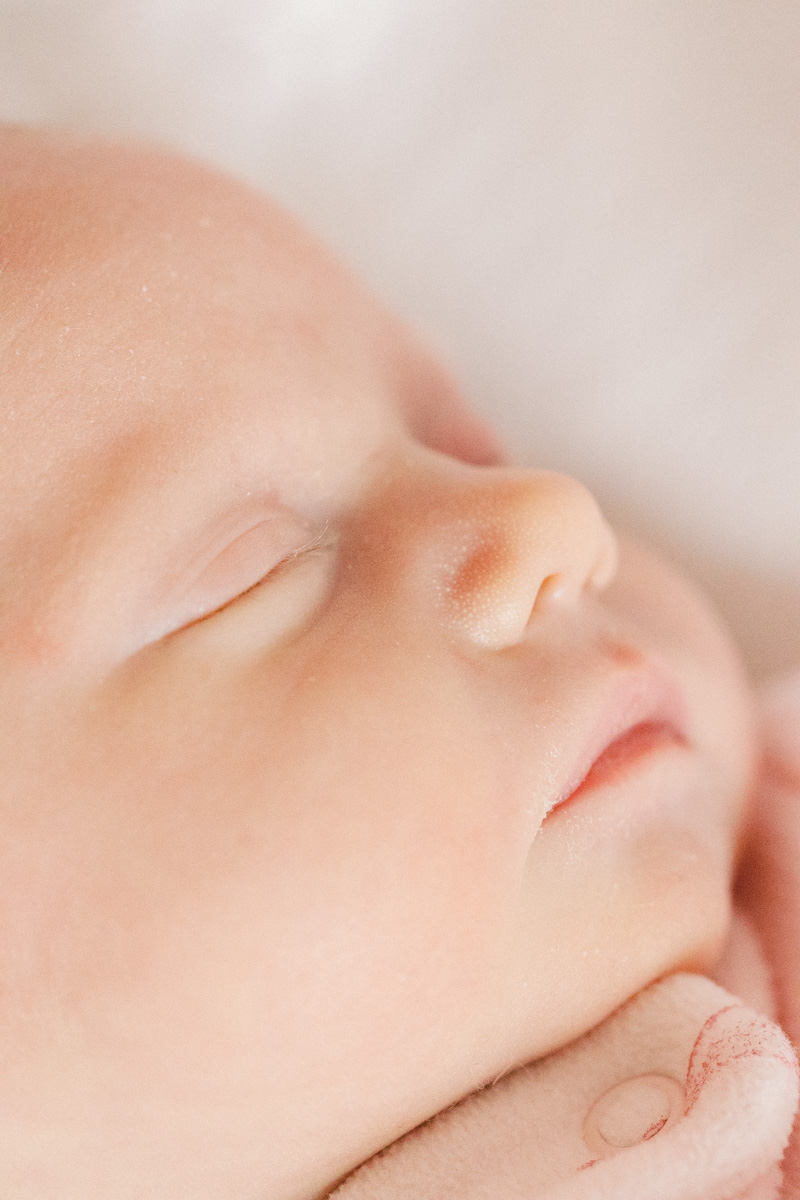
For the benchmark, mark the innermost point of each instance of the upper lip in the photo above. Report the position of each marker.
(644, 695)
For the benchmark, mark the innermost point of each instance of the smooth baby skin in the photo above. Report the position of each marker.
(293, 670)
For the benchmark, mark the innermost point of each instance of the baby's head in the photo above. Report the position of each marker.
(299, 684)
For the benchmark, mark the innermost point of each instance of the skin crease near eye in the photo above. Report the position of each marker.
(287, 869)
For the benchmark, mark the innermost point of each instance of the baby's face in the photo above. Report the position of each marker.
(299, 685)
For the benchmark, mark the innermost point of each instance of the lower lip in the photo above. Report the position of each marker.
(623, 756)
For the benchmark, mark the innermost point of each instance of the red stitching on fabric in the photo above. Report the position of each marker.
(719, 1053)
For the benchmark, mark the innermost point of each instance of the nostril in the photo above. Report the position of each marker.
(565, 587)
(552, 590)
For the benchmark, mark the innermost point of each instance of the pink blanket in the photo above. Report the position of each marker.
(688, 1092)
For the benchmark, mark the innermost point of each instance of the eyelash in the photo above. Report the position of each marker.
(320, 541)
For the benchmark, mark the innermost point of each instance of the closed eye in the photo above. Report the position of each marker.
(321, 542)
(265, 558)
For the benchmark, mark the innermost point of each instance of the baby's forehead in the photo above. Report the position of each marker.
(152, 305)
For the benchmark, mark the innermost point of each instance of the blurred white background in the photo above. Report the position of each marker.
(590, 210)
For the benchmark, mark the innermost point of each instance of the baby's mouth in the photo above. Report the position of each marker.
(644, 716)
(623, 754)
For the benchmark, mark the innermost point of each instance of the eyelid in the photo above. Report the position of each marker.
(277, 606)
(244, 562)
(323, 540)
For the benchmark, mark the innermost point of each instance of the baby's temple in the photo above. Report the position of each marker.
(379, 821)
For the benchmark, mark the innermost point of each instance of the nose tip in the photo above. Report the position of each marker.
(584, 548)
(538, 543)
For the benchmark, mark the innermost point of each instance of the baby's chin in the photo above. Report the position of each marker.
(661, 915)
(594, 979)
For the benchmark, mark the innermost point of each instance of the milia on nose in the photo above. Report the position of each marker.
(529, 541)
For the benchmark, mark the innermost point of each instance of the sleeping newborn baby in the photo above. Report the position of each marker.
(345, 766)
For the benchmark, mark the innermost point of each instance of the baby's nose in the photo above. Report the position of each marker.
(514, 544)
